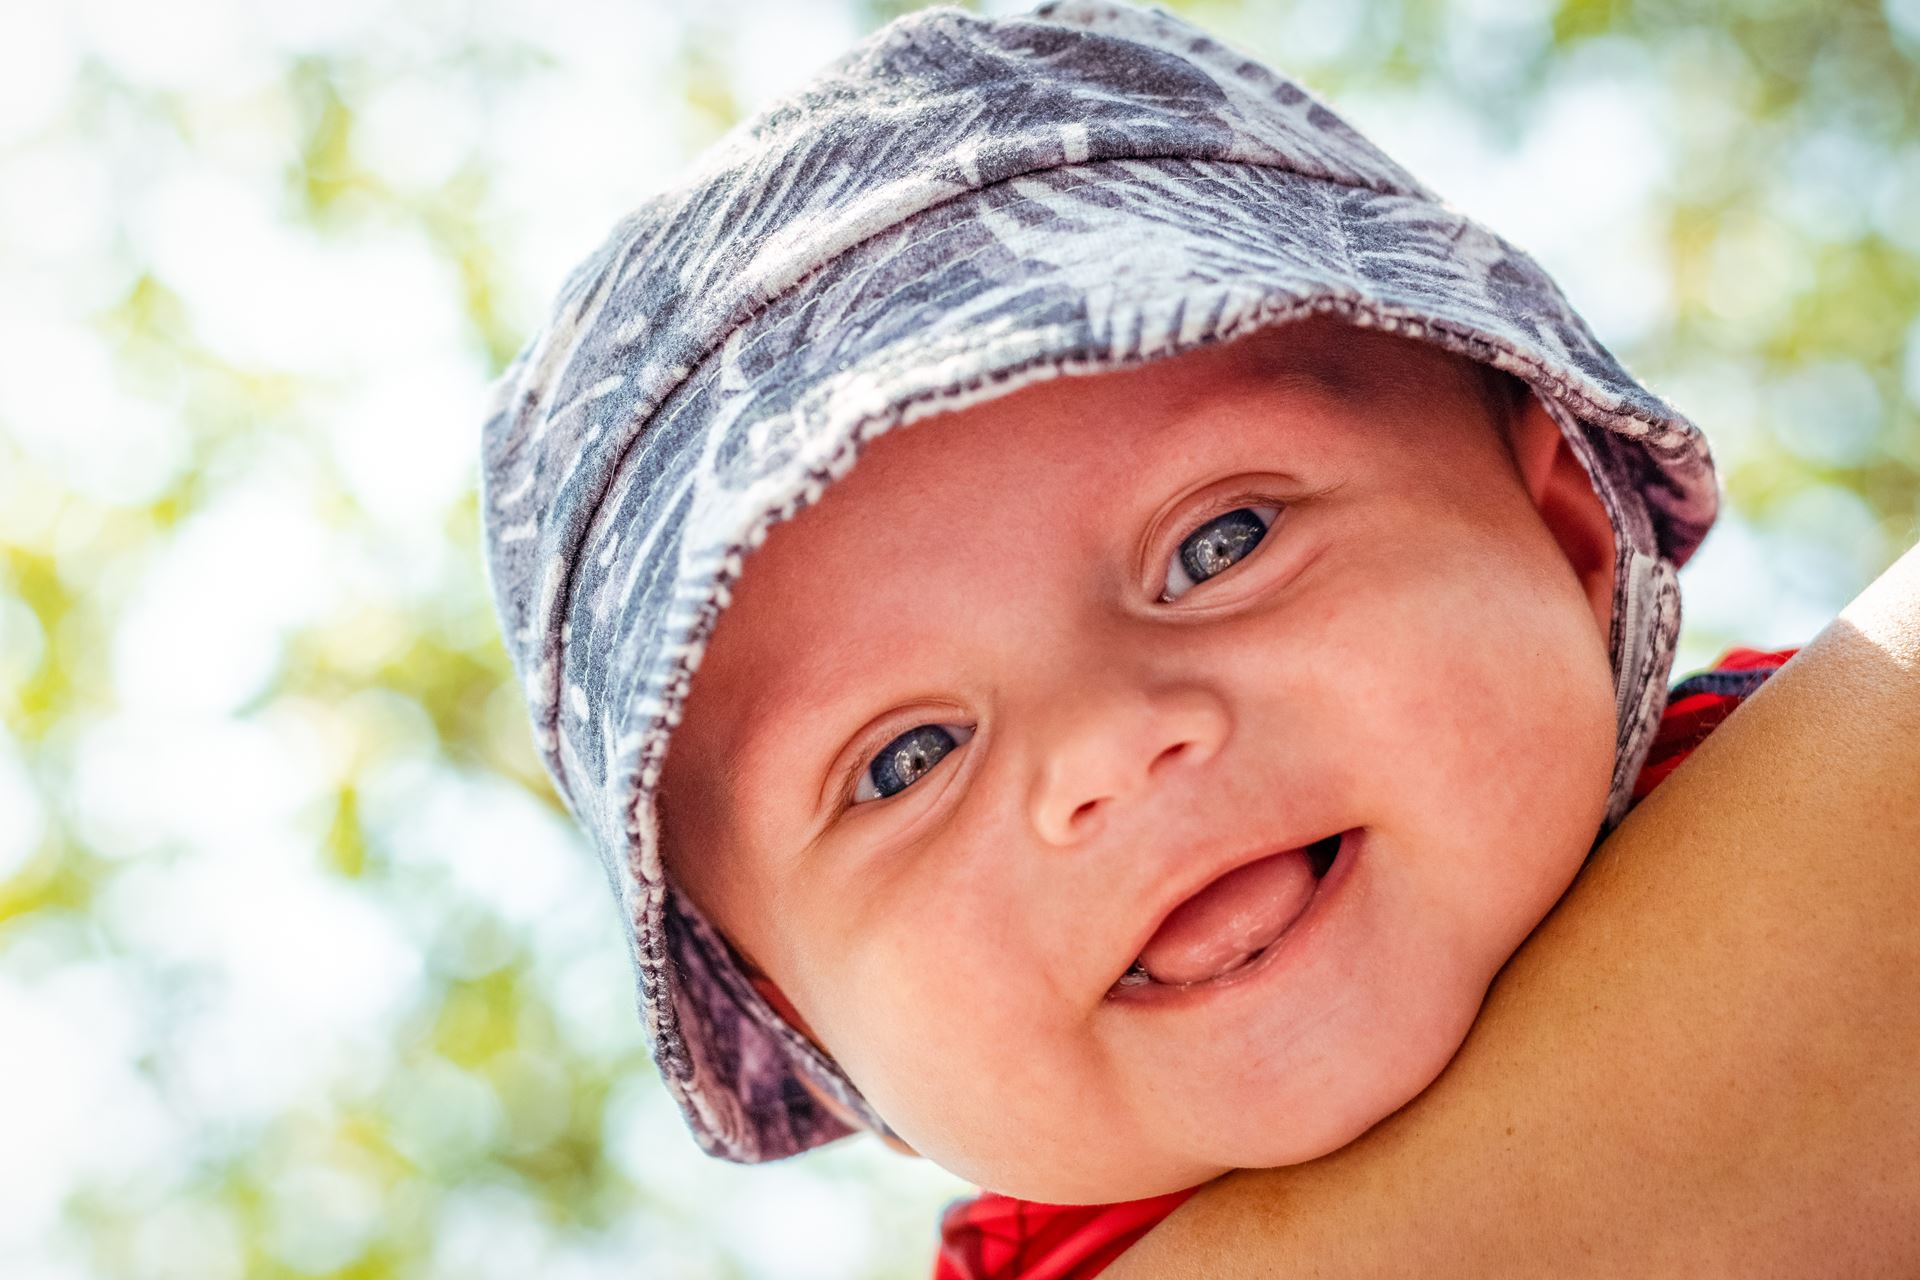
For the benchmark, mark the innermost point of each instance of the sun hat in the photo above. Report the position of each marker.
(955, 208)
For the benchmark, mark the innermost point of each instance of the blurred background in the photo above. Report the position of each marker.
(303, 970)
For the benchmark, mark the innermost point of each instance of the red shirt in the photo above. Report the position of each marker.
(995, 1237)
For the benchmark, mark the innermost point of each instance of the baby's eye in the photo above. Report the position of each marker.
(1215, 547)
(902, 761)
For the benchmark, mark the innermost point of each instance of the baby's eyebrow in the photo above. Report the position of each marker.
(1342, 376)
(808, 688)
(1349, 379)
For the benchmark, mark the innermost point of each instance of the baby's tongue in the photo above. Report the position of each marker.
(1230, 919)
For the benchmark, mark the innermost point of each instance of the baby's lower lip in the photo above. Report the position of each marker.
(1136, 985)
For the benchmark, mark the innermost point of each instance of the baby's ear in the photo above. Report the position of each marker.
(1569, 506)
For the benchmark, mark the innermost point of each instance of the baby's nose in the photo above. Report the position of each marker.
(1102, 752)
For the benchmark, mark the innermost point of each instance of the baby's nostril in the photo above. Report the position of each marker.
(1168, 754)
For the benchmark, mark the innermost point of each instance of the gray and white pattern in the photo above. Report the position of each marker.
(955, 208)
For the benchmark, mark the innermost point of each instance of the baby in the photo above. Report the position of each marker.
(1252, 601)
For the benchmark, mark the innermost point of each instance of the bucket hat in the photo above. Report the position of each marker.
(955, 208)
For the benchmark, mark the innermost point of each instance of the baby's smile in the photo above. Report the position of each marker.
(1222, 930)
(1164, 800)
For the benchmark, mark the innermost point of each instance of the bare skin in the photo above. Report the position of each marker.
(1701, 1064)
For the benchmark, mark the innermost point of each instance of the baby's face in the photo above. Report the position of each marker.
(1034, 675)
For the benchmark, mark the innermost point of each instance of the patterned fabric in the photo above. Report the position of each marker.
(955, 208)
(995, 1237)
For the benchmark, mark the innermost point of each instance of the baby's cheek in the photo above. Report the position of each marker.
(910, 1033)
(1490, 716)
(934, 1074)
(973, 1080)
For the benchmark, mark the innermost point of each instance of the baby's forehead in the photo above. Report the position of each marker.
(1316, 362)
(1107, 421)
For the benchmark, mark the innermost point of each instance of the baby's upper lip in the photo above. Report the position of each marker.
(1205, 872)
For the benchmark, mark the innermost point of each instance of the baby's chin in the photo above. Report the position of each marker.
(1377, 1090)
(1268, 1128)
(1247, 1123)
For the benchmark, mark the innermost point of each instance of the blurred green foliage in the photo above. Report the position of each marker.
(1789, 232)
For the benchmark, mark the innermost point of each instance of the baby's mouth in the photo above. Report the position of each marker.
(1231, 922)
